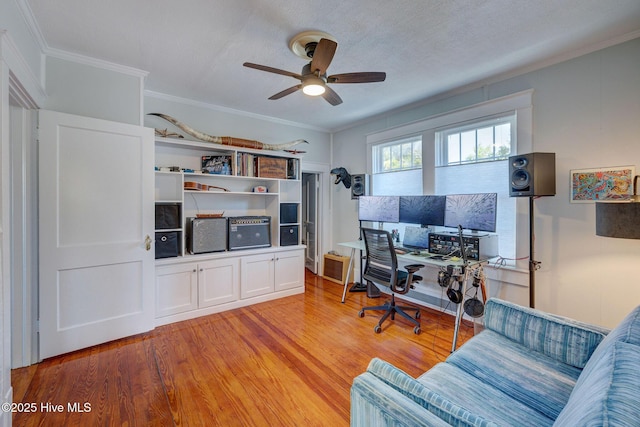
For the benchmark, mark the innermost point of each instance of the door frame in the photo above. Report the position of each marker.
(322, 170)
(314, 179)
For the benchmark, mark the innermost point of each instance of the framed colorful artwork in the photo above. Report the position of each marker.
(592, 185)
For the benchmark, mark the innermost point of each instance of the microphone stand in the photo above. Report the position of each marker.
(465, 269)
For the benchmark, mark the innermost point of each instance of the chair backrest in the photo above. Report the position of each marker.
(381, 264)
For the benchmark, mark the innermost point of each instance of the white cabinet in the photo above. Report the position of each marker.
(189, 286)
(247, 183)
(218, 281)
(271, 272)
(257, 275)
(176, 289)
(289, 270)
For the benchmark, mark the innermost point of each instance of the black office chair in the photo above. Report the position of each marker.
(381, 267)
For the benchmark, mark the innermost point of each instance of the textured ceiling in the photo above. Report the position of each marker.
(195, 48)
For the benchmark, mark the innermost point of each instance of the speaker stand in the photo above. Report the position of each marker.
(533, 264)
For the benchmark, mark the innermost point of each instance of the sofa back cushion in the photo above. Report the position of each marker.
(563, 339)
(608, 390)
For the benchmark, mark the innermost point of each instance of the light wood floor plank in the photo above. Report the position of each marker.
(288, 362)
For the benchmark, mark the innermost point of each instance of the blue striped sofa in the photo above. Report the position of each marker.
(526, 368)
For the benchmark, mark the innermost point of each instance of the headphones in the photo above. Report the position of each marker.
(446, 279)
(473, 306)
(455, 295)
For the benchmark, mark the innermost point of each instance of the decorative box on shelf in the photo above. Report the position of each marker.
(271, 167)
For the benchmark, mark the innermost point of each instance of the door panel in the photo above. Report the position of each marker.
(96, 210)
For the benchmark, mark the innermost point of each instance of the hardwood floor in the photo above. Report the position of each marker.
(288, 362)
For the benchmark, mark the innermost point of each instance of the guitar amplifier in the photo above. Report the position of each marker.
(206, 235)
(335, 268)
(248, 232)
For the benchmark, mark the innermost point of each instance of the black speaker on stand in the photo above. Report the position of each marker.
(532, 175)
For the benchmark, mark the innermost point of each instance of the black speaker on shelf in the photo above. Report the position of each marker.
(532, 174)
(359, 185)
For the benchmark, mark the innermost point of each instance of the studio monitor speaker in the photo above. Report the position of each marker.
(532, 174)
(359, 185)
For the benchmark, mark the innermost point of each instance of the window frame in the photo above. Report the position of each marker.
(520, 102)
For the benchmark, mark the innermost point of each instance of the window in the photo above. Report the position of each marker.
(397, 167)
(464, 151)
(398, 155)
(473, 158)
(483, 141)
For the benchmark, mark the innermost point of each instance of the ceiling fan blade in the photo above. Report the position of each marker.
(273, 70)
(331, 96)
(366, 77)
(322, 55)
(285, 92)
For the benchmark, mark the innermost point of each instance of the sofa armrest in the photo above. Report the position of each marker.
(375, 403)
(433, 402)
(561, 338)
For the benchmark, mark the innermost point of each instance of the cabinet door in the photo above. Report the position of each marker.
(289, 269)
(218, 281)
(256, 275)
(176, 289)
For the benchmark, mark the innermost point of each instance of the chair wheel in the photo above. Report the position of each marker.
(418, 314)
(361, 313)
(377, 329)
(417, 330)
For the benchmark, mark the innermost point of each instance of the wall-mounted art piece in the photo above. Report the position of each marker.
(592, 185)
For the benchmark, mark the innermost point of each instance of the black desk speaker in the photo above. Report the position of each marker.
(532, 174)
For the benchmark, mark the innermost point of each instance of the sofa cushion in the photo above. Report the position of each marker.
(564, 339)
(529, 377)
(608, 391)
(452, 384)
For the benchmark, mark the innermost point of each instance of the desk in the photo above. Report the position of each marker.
(419, 259)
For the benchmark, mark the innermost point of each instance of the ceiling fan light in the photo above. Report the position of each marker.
(313, 87)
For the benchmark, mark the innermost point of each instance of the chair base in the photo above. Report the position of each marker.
(390, 309)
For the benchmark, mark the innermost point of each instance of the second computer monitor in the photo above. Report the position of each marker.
(423, 210)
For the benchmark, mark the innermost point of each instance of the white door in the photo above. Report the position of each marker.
(310, 190)
(95, 222)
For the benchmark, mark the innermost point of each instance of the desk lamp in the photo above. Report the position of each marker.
(619, 219)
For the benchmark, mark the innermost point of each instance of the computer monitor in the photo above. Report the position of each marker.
(423, 210)
(476, 212)
(379, 208)
(415, 237)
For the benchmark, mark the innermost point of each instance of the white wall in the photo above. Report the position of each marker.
(587, 111)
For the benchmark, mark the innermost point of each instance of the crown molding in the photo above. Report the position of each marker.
(93, 62)
(208, 106)
(22, 78)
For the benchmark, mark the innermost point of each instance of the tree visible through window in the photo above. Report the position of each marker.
(399, 155)
(486, 141)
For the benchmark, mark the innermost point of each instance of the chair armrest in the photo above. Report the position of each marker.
(563, 339)
(412, 268)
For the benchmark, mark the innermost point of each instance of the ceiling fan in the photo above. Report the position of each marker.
(320, 48)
